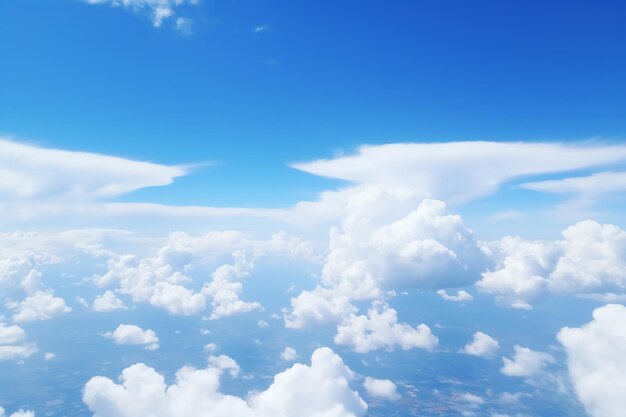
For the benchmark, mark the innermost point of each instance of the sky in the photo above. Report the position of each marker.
(410, 208)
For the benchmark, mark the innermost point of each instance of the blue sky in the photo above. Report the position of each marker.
(97, 78)
(323, 209)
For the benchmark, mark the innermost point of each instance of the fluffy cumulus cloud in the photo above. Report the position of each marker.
(381, 388)
(129, 334)
(593, 259)
(526, 362)
(318, 307)
(460, 296)
(13, 345)
(108, 302)
(158, 10)
(155, 279)
(590, 259)
(42, 305)
(390, 239)
(520, 277)
(20, 266)
(467, 403)
(142, 391)
(289, 354)
(165, 278)
(19, 413)
(596, 364)
(11, 334)
(225, 363)
(225, 287)
(481, 345)
(426, 248)
(380, 330)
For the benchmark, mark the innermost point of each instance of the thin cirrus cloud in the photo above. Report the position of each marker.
(158, 11)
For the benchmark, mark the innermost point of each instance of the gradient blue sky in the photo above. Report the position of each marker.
(323, 78)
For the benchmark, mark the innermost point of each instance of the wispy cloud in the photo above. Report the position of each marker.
(262, 28)
(157, 10)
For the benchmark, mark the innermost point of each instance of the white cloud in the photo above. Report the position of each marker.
(471, 398)
(380, 330)
(158, 10)
(129, 334)
(210, 347)
(160, 13)
(455, 171)
(163, 279)
(596, 364)
(42, 305)
(520, 275)
(143, 391)
(177, 299)
(389, 239)
(594, 185)
(225, 287)
(593, 259)
(526, 362)
(426, 248)
(381, 388)
(225, 363)
(289, 354)
(155, 279)
(48, 356)
(481, 345)
(20, 264)
(12, 344)
(460, 171)
(317, 307)
(262, 28)
(32, 173)
(11, 334)
(460, 296)
(19, 413)
(590, 259)
(108, 302)
(184, 25)
(10, 352)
